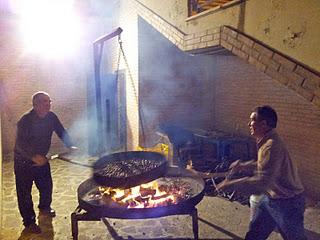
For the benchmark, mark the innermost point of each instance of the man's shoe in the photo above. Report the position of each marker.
(48, 212)
(32, 228)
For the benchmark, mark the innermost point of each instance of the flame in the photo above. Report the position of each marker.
(147, 195)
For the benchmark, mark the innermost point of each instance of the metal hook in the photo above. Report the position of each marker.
(119, 39)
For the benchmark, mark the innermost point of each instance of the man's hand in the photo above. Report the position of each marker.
(239, 167)
(39, 160)
(235, 164)
(223, 186)
(243, 168)
(235, 168)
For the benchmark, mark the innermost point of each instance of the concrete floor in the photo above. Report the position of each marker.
(218, 217)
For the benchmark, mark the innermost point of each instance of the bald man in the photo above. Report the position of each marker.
(33, 141)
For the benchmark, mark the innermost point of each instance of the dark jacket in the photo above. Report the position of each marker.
(34, 136)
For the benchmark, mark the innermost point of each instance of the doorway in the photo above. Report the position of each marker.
(111, 131)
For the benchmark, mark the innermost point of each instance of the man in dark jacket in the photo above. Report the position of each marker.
(33, 140)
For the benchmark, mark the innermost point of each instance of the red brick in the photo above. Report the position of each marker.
(207, 38)
(263, 50)
(305, 72)
(245, 40)
(178, 35)
(200, 34)
(316, 101)
(216, 36)
(234, 42)
(296, 81)
(291, 76)
(240, 53)
(312, 83)
(301, 91)
(189, 36)
(317, 92)
(192, 41)
(258, 64)
(253, 53)
(188, 47)
(230, 32)
(200, 45)
(226, 45)
(277, 76)
(285, 62)
(213, 43)
(224, 36)
(269, 62)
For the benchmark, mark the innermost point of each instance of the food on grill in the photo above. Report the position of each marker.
(147, 191)
(161, 192)
(127, 168)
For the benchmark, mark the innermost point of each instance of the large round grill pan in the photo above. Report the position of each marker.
(102, 210)
(129, 169)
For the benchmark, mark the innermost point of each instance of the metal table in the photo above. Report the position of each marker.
(222, 140)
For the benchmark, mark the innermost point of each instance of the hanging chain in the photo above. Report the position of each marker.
(120, 105)
(133, 87)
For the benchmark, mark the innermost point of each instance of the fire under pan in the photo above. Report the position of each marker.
(95, 211)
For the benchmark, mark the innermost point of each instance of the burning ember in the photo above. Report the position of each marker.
(158, 193)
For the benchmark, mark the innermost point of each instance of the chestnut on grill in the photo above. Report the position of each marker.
(129, 169)
(179, 191)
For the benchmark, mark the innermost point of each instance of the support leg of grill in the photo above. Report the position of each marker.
(195, 226)
(80, 215)
(74, 224)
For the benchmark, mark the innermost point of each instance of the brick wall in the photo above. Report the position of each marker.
(289, 72)
(240, 87)
(23, 73)
(300, 78)
(128, 21)
(255, 75)
(288, 85)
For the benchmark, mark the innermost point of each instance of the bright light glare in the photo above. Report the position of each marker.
(50, 28)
